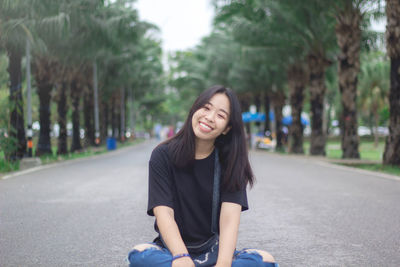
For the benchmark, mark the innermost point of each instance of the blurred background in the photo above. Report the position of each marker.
(313, 77)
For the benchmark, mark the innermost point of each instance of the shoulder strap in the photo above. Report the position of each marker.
(215, 200)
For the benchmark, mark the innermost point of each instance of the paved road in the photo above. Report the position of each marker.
(305, 212)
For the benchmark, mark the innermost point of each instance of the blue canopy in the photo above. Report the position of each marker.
(288, 120)
(260, 117)
(249, 117)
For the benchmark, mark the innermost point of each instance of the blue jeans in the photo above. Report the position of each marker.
(161, 257)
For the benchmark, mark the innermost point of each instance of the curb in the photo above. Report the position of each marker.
(9, 175)
(334, 163)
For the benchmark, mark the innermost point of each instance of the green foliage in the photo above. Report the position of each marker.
(252, 43)
(7, 166)
(4, 106)
(368, 151)
(8, 145)
(373, 89)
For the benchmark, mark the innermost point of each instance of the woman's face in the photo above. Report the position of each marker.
(212, 119)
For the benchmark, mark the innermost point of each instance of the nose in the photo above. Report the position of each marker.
(210, 116)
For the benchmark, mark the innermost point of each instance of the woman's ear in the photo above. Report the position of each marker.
(226, 130)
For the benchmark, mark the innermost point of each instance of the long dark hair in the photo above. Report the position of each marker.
(233, 154)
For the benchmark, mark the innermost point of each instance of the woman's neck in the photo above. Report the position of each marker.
(203, 149)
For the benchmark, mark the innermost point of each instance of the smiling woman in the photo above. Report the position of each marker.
(209, 122)
(197, 190)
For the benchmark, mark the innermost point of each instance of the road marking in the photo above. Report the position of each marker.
(357, 170)
(18, 173)
(70, 161)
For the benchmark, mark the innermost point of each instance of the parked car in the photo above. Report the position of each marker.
(264, 142)
(363, 131)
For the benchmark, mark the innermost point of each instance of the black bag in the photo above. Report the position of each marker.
(203, 247)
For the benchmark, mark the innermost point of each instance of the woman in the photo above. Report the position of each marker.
(208, 153)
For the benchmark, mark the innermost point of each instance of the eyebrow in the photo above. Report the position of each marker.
(223, 110)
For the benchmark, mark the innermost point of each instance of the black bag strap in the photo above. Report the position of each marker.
(215, 200)
(214, 211)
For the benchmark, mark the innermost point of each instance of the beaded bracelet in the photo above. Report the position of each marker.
(180, 256)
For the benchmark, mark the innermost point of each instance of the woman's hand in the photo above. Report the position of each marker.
(183, 262)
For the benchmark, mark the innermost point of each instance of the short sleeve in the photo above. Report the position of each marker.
(238, 197)
(160, 193)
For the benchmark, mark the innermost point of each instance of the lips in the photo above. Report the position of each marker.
(205, 127)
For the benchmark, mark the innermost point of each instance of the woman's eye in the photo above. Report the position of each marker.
(206, 108)
(221, 116)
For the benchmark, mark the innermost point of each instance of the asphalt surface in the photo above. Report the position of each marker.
(305, 212)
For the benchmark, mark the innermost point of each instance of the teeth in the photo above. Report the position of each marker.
(205, 126)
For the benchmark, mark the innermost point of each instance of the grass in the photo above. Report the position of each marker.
(6, 166)
(368, 151)
(378, 167)
(87, 152)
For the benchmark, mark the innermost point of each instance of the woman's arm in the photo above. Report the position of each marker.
(171, 235)
(229, 226)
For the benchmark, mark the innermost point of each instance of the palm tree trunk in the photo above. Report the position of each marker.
(75, 97)
(257, 103)
(392, 147)
(348, 35)
(267, 106)
(105, 121)
(88, 116)
(296, 81)
(316, 65)
(62, 119)
(114, 122)
(245, 100)
(44, 86)
(376, 124)
(17, 127)
(122, 116)
(278, 101)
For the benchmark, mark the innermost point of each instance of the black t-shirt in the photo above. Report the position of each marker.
(188, 191)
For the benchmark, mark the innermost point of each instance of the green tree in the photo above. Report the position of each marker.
(302, 35)
(350, 17)
(49, 24)
(392, 147)
(13, 36)
(373, 89)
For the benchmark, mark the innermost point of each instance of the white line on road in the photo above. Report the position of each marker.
(348, 168)
(70, 161)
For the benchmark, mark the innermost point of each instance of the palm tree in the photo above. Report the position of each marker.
(348, 34)
(392, 147)
(278, 101)
(61, 98)
(350, 15)
(265, 36)
(42, 70)
(13, 35)
(297, 80)
(302, 35)
(32, 20)
(48, 25)
(311, 27)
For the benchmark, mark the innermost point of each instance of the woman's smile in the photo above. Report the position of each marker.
(204, 127)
